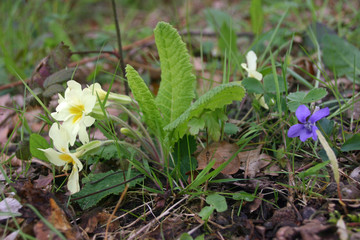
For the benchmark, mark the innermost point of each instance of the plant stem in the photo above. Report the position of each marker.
(118, 36)
(146, 144)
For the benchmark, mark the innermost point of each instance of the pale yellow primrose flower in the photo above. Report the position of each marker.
(97, 90)
(250, 67)
(74, 110)
(63, 157)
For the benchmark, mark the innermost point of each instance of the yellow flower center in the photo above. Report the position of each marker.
(78, 111)
(67, 158)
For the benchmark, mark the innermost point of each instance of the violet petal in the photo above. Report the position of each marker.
(302, 112)
(294, 131)
(305, 134)
(314, 133)
(319, 115)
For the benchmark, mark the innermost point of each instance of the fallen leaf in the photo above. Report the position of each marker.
(12, 236)
(221, 151)
(58, 219)
(43, 181)
(256, 203)
(252, 161)
(9, 207)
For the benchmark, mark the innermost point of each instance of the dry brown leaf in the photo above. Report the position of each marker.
(43, 181)
(273, 170)
(252, 161)
(58, 219)
(221, 151)
(256, 203)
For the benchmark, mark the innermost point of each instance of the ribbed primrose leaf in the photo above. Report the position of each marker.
(213, 99)
(177, 81)
(145, 99)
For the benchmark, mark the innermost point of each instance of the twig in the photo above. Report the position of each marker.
(147, 226)
(115, 209)
(121, 56)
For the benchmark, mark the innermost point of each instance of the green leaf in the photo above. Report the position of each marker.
(326, 126)
(101, 181)
(23, 151)
(183, 156)
(257, 16)
(313, 170)
(206, 212)
(293, 105)
(269, 84)
(177, 81)
(230, 128)
(352, 144)
(253, 85)
(212, 121)
(340, 55)
(218, 201)
(38, 142)
(242, 195)
(227, 39)
(145, 99)
(314, 95)
(195, 125)
(186, 236)
(298, 98)
(216, 18)
(213, 99)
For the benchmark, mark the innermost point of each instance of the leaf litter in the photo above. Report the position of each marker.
(260, 210)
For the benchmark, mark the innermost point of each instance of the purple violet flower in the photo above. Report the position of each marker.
(307, 128)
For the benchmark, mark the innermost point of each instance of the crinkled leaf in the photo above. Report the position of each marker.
(230, 128)
(101, 181)
(56, 60)
(253, 85)
(38, 142)
(195, 125)
(143, 96)
(177, 84)
(59, 77)
(351, 144)
(53, 90)
(213, 99)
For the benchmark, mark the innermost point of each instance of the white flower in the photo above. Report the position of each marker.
(250, 67)
(97, 90)
(63, 157)
(74, 110)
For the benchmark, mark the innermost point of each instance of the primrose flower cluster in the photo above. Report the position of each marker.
(77, 111)
(250, 67)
